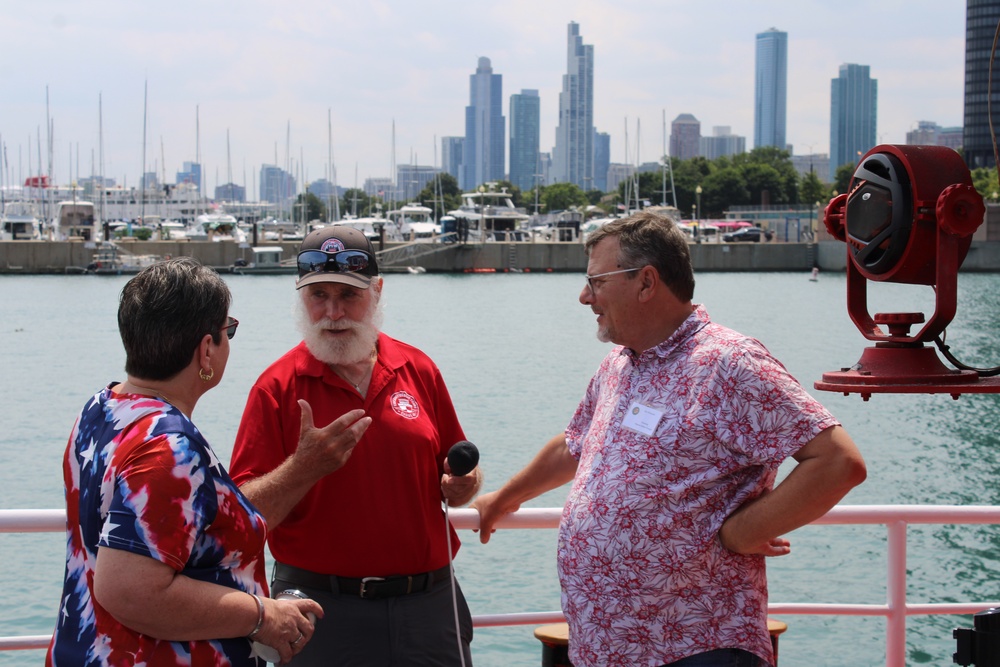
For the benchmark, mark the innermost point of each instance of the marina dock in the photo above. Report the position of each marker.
(60, 257)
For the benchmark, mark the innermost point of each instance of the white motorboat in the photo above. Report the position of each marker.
(75, 220)
(412, 222)
(487, 214)
(19, 223)
(217, 227)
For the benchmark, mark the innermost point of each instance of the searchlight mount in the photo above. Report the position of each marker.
(908, 217)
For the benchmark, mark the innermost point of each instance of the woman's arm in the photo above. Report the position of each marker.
(152, 598)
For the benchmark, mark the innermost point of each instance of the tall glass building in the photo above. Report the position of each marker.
(451, 156)
(981, 18)
(770, 89)
(484, 154)
(573, 156)
(853, 115)
(602, 160)
(525, 115)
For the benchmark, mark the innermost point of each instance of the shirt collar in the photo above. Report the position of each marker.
(694, 323)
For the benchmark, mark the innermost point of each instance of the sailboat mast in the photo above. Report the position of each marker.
(628, 177)
(638, 202)
(392, 167)
(48, 134)
(229, 166)
(333, 202)
(142, 181)
(354, 206)
(663, 192)
(100, 157)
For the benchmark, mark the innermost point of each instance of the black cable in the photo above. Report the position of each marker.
(945, 350)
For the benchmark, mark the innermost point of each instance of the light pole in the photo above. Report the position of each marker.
(697, 218)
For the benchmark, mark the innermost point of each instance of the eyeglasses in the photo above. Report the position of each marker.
(230, 328)
(590, 279)
(345, 261)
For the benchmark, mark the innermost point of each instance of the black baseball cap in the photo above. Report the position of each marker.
(324, 257)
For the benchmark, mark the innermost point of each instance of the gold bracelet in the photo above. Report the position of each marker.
(260, 616)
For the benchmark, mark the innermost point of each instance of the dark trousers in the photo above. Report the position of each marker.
(415, 630)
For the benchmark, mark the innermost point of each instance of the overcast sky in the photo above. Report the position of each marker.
(255, 68)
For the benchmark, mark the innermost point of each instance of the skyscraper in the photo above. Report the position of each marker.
(190, 174)
(483, 155)
(853, 113)
(685, 137)
(770, 88)
(451, 156)
(981, 18)
(602, 160)
(722, 142)
(573, 155)
(525, 115)
(276, 184)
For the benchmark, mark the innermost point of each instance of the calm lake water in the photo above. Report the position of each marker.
(517, 351)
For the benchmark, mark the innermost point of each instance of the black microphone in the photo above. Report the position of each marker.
(462, 458)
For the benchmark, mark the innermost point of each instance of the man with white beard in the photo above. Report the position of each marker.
(357, 525)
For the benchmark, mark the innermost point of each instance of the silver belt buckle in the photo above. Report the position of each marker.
(364, 581)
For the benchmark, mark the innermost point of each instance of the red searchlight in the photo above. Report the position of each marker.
(908, 217)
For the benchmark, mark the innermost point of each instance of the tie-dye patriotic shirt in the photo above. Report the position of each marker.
(645, 579)
(140, 477)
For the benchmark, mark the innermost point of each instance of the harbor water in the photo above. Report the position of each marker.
(517, 351)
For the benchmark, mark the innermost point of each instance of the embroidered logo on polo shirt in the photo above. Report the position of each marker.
(404, 405)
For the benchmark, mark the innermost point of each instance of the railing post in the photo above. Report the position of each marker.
(895, 648)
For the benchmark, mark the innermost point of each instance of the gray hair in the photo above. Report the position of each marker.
(649, 239)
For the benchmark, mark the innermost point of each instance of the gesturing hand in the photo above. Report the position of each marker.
(327, 449)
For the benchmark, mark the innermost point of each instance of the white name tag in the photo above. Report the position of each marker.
(642, 419)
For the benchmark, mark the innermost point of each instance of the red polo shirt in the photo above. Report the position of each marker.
(380, 514)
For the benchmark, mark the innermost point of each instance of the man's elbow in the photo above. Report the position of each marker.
(853, 471)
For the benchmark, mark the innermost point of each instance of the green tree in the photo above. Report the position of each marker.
(530, 198)
(842, 179)
(513, 190)
(986, 183)
(562, 196)
(812, 190)
(650, 186)
(315, 208)
(721, 189)
(688, 175)
(770, 175)
(353, 203)
(450, 194)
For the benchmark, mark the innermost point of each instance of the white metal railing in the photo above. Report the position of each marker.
(896, 518)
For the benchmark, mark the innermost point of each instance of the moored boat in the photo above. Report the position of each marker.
(487, 214)
(19, 223)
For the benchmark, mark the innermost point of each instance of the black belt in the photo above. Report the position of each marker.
(369, 588)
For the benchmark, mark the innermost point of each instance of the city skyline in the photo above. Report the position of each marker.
(269, 76)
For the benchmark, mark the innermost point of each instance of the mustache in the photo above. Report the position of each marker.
(327, 324)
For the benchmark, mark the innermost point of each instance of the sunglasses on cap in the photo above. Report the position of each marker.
(343, 261)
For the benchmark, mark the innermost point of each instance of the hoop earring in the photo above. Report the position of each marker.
(206, 376)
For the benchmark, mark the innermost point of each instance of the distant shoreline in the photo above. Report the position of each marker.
(62, 257)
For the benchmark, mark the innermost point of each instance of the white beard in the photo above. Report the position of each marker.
(341, 349)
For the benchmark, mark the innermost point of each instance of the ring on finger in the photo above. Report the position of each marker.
(298, 639)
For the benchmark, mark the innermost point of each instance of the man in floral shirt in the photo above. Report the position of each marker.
(673, 454)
